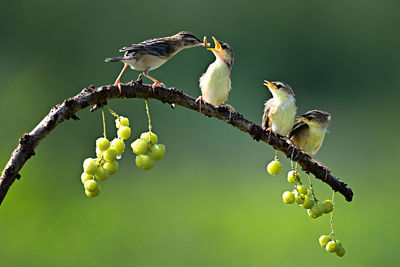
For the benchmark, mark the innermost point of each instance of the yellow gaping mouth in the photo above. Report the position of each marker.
(217, 47)
(269, 84)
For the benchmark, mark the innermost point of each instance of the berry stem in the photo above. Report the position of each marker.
(331, 219)
(312, 189)
(112, 112)
(104, 123)
(148, 114)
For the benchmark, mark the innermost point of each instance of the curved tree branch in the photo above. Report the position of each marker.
(100, 95)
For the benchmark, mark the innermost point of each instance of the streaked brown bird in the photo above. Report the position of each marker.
(151, 54)
(309, 131)
(280, 110)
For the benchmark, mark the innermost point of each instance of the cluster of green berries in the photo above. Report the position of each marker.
(304, 197)
(107, 155)
(332, 245)
(147, 150)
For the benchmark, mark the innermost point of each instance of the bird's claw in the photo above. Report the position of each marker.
(157, 84)
(228, 107)
(200, 99)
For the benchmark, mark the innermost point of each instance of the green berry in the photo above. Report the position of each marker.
(157, 152)
(118, 145)
(299, 199)
(323, 240)
(302, 189)
(91, 185)
(308, 203)
(140, 147)
(328, 206)
(331, 246)
(102, 143)
(92, 194)
(288, 197)
(149, 137)
(124, 132)
(85, 177)
(110, 155)
(317, 210)
(121, 121)
(292, 178)
(274, 167)
(144, 162)
(101, 174)
(90, 166)
(309, 193)
(111, 167)
(340, 251)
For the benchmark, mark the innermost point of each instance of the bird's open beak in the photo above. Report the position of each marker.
(217, 47)
(269, 84)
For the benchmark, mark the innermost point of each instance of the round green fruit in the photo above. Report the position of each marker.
(288, 197)
(274, 167)
(340, 251)
(299, 199)
(92, 194)
(149, 137)
(317, 210)
(157, 152)
(85, 177)
(302, 189)
(92, 186)
(144, 162)
(331, 246)
(102, 143)
(124, 132)
(308, 202)
(293, 177)
(90, 165)
(110, 155)
(328, 206)
(101, 174)
(118, 145)
(323, 240)
(140, 147)
(111, 167)
(121, 121)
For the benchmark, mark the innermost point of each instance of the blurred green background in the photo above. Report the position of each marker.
(209, 202)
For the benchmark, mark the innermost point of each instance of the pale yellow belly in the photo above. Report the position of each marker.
(282, 118)
(215, 84)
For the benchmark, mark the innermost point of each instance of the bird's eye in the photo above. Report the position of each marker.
(278, 86)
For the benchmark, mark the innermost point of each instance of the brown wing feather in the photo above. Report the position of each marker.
(297, 127)
(265, 119)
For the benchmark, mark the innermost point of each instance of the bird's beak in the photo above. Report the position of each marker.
(301, 118)
(269, 84)
(217, 47)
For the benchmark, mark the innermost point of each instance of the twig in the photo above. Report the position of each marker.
(99, 96)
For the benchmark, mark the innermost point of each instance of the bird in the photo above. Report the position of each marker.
(309, 131)
(215, 83)
(151, 54)
(280, 110)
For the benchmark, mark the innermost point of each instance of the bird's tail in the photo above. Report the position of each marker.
(116, 59)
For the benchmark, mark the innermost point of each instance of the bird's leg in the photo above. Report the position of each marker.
(228, 107)
(156, 82)
(201, 100)
(118, 81)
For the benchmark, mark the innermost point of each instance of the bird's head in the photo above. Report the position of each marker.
(279, 89)
(317, 118)
(223, 51)
(188, 39)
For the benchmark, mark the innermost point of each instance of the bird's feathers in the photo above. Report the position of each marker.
(156, 47)
(265, 119)
(298, 126)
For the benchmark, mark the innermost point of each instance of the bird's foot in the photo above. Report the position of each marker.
(228, 107)
(200, 99)
(157, 84)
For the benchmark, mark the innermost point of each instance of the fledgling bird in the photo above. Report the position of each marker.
(280, 110)
(309, 131)
(215, 83)
(151, 54)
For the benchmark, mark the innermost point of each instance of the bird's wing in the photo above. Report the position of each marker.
(298, 126)
(159, 48)
(265, 118)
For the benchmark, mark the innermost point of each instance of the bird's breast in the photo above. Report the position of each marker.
(282, 116)
(215, 83)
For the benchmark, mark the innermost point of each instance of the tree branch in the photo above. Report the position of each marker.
(98, 96)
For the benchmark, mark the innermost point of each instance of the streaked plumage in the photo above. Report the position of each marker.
(280, 110)
(215, 83)
(151, 54)
(309, 131)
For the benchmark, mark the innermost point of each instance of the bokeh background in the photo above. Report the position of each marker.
(209, 202)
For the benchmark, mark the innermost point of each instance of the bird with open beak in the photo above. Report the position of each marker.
(215, 83)
(151, 54)
(280, 110)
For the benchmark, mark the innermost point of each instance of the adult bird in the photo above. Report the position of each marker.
(215, 83)
(151, 54)
(280, 110)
